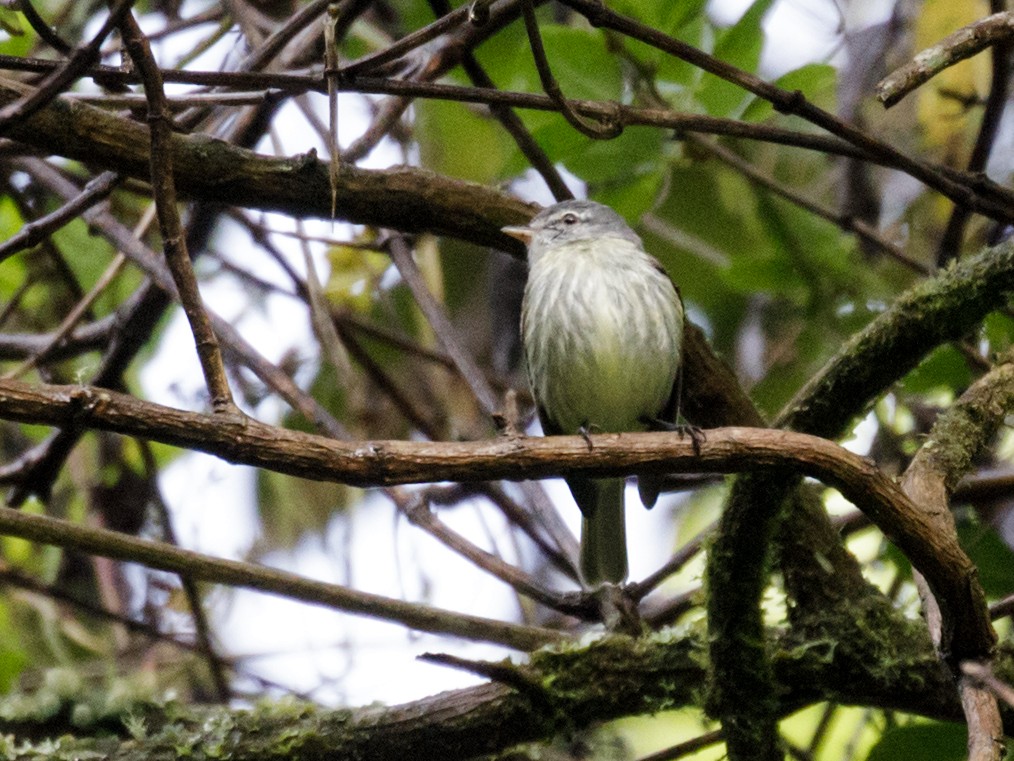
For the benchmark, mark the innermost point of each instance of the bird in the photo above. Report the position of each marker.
(602, 328)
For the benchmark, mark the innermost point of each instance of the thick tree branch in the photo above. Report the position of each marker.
(403, 198)
(392, 462)
(958, 436)
(570, 689)
(933, 312)
(387, 463)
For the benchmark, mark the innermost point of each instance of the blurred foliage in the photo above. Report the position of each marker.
(949, 126)
(940, 741)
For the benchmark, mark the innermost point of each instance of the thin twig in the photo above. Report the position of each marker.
(523, 519)
(846, 222)
(202, 627)
(687, 748)
(510, 120)
(962, 44)
(607, 129)
(331, 76)
(268, 50)
(177, 102)
(201, 567)
(407, 43)
(31, 233)
(74, 67)
(679, 559)
(447, 334)
(46, 33)
(16, 578)
(985, 675)
(72, 318)
(419, 514)
(173, 237)
(83, 339)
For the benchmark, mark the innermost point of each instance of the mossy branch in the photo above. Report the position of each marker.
(935, 311)
(869, 657)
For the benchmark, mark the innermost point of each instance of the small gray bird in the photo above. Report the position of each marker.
(602, 328)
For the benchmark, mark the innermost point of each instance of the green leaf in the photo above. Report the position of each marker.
(695, 235)
(624, 173)
(10, 22)
(582, 65)
(675, 79)
(991, 556)
(664, 15)
(508, 61)
(939, 741)
(715, 208)
(633, 197)
(740, 46)
(944, 368)
(578, 58)
(998, 329)
(817, 81)
(92, 253)
(456, 141)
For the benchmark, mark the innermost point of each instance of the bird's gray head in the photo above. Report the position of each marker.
(569, 222)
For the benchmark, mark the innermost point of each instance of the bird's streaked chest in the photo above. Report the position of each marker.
(602, 328)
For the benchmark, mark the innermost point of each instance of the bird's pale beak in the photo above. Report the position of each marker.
(523, 234)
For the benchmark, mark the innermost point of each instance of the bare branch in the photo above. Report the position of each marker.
(398, 462)
(989, 202)
(962, 44)
(607, 129)
(19, 111)
(958, 436)
(163, 184)
(950, 241)
(445, 331)
(34, 231)
(194, 565)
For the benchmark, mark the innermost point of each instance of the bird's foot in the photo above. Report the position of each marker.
(618, 610)
(696, 433)
(585, 432)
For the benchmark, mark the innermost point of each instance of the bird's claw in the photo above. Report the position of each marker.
(696, 434)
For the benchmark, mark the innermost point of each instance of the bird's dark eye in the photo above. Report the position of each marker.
(570, 218)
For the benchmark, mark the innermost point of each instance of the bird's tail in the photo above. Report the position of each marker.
(603, 532)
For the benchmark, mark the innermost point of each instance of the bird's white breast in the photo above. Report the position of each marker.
(603, 334)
